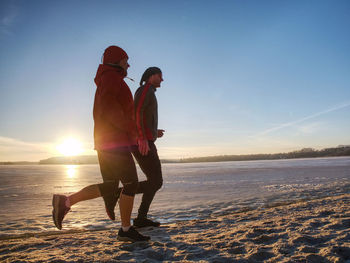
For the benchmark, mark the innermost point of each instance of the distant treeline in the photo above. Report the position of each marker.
(18, 163)
(303, 153)
(81, 159)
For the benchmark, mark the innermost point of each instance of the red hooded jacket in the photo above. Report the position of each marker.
(113, 110)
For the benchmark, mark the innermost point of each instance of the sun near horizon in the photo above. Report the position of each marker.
(70, 147)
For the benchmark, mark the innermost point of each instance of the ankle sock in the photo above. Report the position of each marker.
(67, 203)
(125, 228)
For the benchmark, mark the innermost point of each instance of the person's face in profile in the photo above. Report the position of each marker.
(124, 64)
(156, 79)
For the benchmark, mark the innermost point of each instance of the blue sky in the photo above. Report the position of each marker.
(240, 76)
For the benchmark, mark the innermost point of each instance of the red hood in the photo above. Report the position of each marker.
(105, 68)
(113, 54)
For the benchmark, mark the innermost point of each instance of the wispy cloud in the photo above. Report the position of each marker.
(310, 128)
(11, 142)
(16, 150)
(293, 123)
(7, 18)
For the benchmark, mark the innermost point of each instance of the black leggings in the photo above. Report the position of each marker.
(117, 165)
(151, 167)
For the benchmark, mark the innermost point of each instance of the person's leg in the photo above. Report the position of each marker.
(125, 170)
(150, 165)
(87, 193)
(108, 190)
(127, 174)
(128, 232)
(116, 165)
(62, 204)
(126, 204)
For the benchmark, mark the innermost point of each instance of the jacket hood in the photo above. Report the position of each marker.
(114, 54)
(106, 68)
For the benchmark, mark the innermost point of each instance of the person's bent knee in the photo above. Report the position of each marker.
(159, 185)
(156, 185)
(108, 187)
(130, 188)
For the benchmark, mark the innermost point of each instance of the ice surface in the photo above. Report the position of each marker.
(189, 191)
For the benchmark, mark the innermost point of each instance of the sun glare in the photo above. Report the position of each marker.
(71, 171)
(70, 147)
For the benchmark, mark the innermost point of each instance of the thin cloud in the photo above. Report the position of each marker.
(293, 123)
(310, 128)
(16, 150)
(11, 142)
(7, 19)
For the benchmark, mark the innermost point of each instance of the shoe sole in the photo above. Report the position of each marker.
(144, 226)
(130, 239)
(55, 204)
(125, 239)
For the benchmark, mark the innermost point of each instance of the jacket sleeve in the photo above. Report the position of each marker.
(141, 105)
(110, 108)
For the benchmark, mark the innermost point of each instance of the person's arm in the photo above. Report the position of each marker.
(141, 105)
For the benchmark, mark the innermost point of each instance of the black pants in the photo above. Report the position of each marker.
(117, 165)
(151, 167)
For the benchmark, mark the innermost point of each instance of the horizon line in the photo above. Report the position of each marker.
(180, 158)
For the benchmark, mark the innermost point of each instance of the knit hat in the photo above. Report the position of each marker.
(113, 54)
(148, 73)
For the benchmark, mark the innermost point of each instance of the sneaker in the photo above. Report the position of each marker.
(131, 235)
(143, 222)
(59, 209)
(110, 202)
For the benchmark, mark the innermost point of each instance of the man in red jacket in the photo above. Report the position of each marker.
(114, 136)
